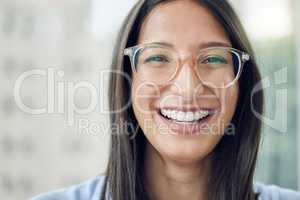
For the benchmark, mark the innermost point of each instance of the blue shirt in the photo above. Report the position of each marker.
(91, 189)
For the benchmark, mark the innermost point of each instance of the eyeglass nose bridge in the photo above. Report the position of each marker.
(190, 61)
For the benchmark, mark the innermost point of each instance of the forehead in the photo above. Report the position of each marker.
(183, 23)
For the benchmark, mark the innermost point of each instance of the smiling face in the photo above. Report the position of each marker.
(183, 119)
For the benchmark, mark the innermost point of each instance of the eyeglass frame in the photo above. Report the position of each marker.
(243, 58)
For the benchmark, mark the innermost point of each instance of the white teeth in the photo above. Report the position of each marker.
(184, 116)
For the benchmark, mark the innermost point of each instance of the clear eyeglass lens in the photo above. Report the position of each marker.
(217, 67)
(156, 64)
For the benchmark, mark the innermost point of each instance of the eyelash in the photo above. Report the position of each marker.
(162, 58)
(220, 59)
(157, 56)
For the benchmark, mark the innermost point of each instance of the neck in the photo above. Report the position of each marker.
(172, 179)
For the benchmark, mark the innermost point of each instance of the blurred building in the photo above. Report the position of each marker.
(42, 152)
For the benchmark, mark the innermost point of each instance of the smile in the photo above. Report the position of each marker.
(185, 120)
(182, 116)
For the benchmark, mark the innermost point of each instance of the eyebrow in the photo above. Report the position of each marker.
(200, 46)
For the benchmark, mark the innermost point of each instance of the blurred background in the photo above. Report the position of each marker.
(73, 41)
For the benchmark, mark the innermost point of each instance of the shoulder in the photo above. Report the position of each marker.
(87, 190)
(274, 192)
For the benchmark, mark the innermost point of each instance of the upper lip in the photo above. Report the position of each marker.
(187, 108)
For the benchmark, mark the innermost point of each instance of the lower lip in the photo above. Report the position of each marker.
(185, 128)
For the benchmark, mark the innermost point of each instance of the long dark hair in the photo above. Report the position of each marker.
(234, 157)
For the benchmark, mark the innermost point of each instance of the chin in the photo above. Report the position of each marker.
(184, 149)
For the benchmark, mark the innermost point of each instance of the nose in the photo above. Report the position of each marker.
(187, 82)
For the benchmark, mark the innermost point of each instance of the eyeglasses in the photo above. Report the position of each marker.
(217, 67)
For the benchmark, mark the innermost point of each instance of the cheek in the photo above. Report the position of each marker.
(228, 100)
(144, 96)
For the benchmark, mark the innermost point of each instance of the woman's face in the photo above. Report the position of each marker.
(185, 25)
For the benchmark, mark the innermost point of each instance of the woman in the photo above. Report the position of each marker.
(192, 71)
